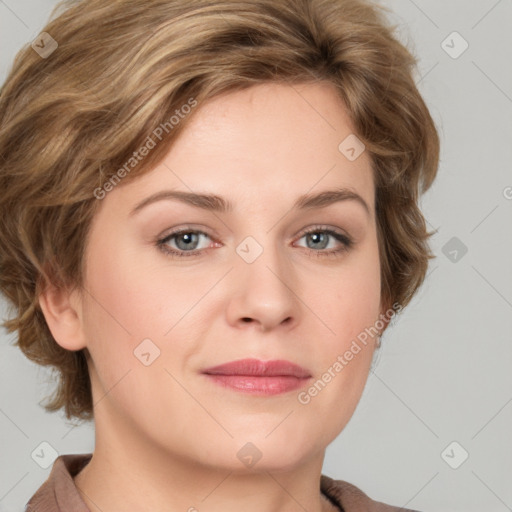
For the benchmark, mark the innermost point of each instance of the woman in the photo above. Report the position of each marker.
(209, 217)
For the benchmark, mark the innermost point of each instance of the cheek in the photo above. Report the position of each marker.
(131, 300)
(119, 312)
(351, 299)
(130, 297)
(350, 309)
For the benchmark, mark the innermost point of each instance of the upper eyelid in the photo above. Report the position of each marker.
(346, 241)
(302, 233)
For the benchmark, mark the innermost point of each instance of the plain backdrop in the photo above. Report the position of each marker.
(433, 429)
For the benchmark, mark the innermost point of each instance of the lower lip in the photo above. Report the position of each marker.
(255, 385)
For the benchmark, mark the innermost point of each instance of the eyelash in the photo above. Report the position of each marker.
(346, 241)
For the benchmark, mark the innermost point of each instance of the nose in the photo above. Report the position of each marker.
(265, 292)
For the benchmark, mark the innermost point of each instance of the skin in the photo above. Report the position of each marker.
(174, 433)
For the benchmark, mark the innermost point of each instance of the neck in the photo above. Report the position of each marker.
(145, 477)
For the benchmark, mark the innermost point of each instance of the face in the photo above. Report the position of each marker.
(270, 278)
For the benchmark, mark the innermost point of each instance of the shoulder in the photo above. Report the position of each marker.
(59, 492)
(352, 499)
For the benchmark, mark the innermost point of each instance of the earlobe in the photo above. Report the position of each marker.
(62, 312)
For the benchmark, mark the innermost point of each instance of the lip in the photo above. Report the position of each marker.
(259, 377)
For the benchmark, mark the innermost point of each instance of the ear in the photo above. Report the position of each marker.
(62, 310)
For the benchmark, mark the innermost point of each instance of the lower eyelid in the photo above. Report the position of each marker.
(345, 241)
(340, 237)
(172, 236)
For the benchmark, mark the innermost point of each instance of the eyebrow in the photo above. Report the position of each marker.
(212, 202)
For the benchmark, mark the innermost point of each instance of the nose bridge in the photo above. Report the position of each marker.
(264, 281)
(263, 262)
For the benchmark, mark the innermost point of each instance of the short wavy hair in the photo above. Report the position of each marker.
(70, 119)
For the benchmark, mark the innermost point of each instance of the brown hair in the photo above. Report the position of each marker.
(71, 119)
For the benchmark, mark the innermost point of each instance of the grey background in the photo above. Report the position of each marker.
(444, 370)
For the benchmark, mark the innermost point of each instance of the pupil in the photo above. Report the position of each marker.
(188, 239)
(316, 238)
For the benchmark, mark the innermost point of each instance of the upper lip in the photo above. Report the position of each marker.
(258, 368)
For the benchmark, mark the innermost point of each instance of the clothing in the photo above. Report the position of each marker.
(59, 493)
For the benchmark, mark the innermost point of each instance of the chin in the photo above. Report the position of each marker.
(250, 451)
(282, 451)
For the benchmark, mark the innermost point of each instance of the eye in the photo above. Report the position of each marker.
(185, 241)
(319, 238)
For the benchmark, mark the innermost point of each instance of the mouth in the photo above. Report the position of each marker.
(259, 377)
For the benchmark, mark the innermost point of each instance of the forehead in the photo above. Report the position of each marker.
(271, 141)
